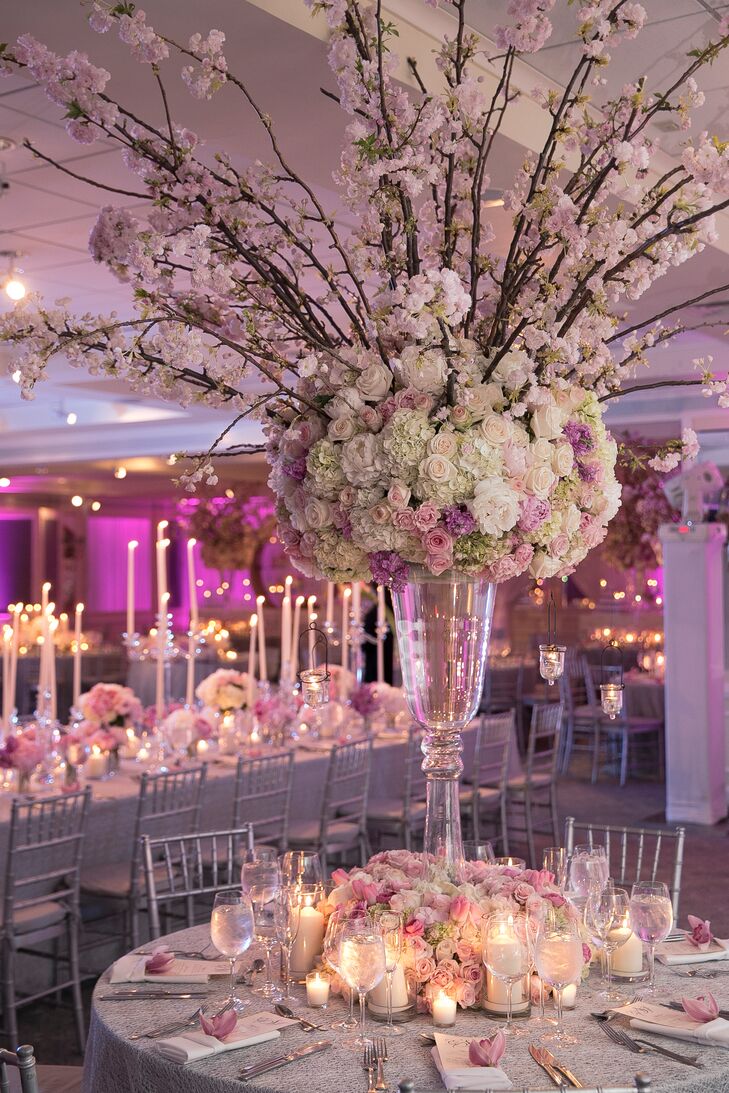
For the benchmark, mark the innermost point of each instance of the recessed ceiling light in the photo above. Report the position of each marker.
(71, 418)
(120, 472)
(4, 482)
(77, 501)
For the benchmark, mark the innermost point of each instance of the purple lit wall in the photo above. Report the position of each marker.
(16, 543)
(106, 562)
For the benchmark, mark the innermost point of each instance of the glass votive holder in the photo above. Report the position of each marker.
(611, 699)
(317, 990)
(511, 863)
(314, 687)
(551, 662)
(443, 1009)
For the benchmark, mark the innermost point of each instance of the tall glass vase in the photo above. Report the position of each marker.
(443, 626)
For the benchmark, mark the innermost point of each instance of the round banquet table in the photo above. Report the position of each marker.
(114, 1064)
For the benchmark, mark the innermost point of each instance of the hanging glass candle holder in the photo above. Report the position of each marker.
(315, 679)
(611, 691)
(551, 655)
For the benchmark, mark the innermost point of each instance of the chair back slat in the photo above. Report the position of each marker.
(503, 685)
(24, 1061)
(347, 786)
(640, 854)
(491, 766)
(169, 804)
(544, 737)
(188, 867)
(263, 796)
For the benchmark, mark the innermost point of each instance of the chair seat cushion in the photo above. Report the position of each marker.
(391, 808)
(28, 919)
(306, 833)
(51, 1079)
(520, 782)
(112, 881)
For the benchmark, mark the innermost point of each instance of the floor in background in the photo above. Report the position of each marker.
(705, 888)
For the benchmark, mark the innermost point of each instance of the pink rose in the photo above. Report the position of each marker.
(404, 519)
(503, 569)
(471, 972)
(414, 928)
(444, 974)
(438, 563)
(523, 555)
(465, 993)
(424, 968)
(422, 401)
(438, 901)
(459, 909)
(426, 517)
(371, 418)
(437, 541)
(522, 892)
(465, 952)
(558, 546)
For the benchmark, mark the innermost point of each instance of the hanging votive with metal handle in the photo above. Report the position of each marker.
(315, 679)
(611, 692)
(551, 655)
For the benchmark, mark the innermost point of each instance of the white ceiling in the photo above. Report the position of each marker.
(47, 216)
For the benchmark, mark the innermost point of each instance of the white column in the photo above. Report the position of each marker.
(694, 644)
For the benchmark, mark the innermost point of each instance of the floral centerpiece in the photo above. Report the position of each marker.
(632, 540)
(22, 753)
(442, 919)
(224, 690)
(185, 728)
(107, 711)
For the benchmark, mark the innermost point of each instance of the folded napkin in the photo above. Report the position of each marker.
(683, 952)
(450, 1055)
(133, 969)
(195, 1044)
(673, 1023)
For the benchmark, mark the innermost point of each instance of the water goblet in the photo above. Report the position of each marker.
(331, 952)
(362, 965)
(300, 867)
(231, 932)
(269, 926)
(559, 960)
(261, 873)
(606, 920)
(589, 869)
(504, 951)
(390, 925)
(651, 916)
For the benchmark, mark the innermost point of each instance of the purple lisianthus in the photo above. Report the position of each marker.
(364, 699)
(588, 472)
(458, 520)
(387, 567)
(580, 437)
(296, 469)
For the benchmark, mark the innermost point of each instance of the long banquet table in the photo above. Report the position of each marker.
(114, 1064)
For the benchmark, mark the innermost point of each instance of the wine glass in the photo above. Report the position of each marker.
(651, 916)
(231, 932)
(478, 852)
(559, 962)
(390, 925)
(269, 920)
(290, 919)
(554, 860)
(589, 868)
(533, 922)
(331, 953)
(504, 950)
(261, 873)
(361, 964)
(300, 867)
(606, 919)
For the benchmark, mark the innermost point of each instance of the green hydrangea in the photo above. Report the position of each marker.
(324, 468)
(405, 440)
(476, 551)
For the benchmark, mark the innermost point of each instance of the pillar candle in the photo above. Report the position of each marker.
(288, 586)
(443, 1010)
(295, 638)
(252, 635)
(45, 589)
(263, 663)
(161, 548)
(377, 998)
(97, 763)
(380, 639)
(131, 547)
(53, 705)
(77, 653)
(309, 940)
(14, 655)
(7, 638)
(346, 597)
(330, 603)
(161, 646)
(310, 617)
(161, 529)
(628, 958)
(191, 586)
(190, 682)
(285, 672)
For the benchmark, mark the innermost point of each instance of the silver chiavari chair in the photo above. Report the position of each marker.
(533, 794)
(41, 897)
(343, 823)
(641, 1084)
(33, 1078)
(182, 869)
(485, 797)
(262, 796)
(635, 853)
(169, 804)
(403, 818)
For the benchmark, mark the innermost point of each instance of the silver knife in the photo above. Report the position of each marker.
(149, 997)
(253, 1071)
(535, 1053)
(574, 1082)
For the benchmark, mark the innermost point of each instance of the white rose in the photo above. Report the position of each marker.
(541, 451)
(423, 371)
(611, 492)
(345, 404)
(563, 459)
(317, 513)
(495, 506)
(542, 565)
(539, 480)
(443, 443)
(374, 382)
(482, 399)
(438, 469)
(341, 428)
(513, 369)
(547, 422)
(570, 520)
(398, 495)
(362, 460)
(496, 429)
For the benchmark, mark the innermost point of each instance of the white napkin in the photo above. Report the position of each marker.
(678, 1025)
(193, 1045)
(683, 952)
(132, 969)
(450, 1055)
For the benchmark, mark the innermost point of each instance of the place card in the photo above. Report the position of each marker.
(132, 969)
(192, 1045)
(450, 1055)
(683, 952)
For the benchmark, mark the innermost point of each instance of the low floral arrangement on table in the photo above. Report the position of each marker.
(225, 689)
(22, 753)
(190, 726)
(107, 711)
(443, 919)
(379, 700)
(230, 530)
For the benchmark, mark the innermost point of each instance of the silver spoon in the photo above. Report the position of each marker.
(246, 977)
(284, 1011)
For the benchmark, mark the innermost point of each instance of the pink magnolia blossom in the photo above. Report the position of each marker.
(487, 1052)
(159, 962)
(705, 1008)
(701, 935)
(220, 1026)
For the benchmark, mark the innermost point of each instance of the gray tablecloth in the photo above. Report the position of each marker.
(645, 698)
(116, 1065)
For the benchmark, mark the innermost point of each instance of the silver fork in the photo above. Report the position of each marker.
(381, 1056)
(643, 1047)
(369, 1062)
(694, 973)
(178, 1026)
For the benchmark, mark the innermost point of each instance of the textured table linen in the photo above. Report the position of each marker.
(116, 1065)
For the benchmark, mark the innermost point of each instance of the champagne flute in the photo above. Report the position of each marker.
(532, 925)
(651, 916)
(505, 953)
(606, 919)
(231, 932)
(559, 962)
(390, 925)
(362, 965)
(331, 953)
(554, 860)
(268, 919)
(300, 867)
(291, 917)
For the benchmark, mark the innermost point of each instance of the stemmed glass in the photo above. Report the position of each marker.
(231, 932)
(554, 860)
(300, 867)
(505, 953)
(291, 917)
(651, 916)
(559, 963)
(269, 915)
(605, 918)
(390, 925)
(478, 852)
(331, 953)
(589, 869)
(533, 923)
(262, 872)
(361, 964)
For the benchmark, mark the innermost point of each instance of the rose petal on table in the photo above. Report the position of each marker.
(704, 1008)
(488, 1052)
